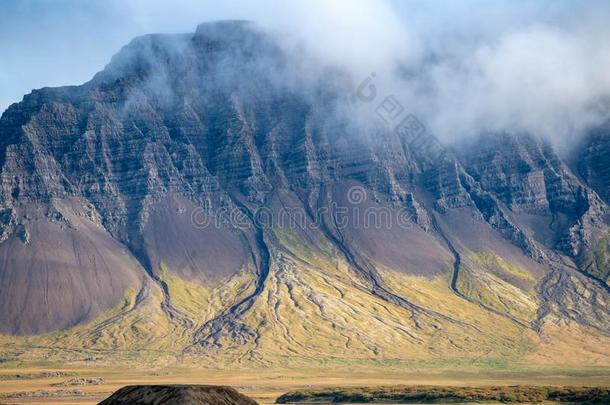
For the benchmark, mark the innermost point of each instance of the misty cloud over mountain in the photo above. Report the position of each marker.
(520, 67)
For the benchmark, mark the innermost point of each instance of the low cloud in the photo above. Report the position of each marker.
(542, 79)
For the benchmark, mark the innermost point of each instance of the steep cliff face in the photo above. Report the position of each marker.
(591, 160)
(199, 172)
(530, 179)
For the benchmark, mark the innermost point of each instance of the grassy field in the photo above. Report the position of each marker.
(315, 325)
(441, 394)
(38, 384)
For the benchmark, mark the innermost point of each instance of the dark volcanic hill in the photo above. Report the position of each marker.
(203, 193)
(177, 394)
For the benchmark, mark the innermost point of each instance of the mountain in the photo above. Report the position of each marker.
(207, 195)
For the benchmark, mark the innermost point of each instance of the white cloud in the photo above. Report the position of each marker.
(541, 79)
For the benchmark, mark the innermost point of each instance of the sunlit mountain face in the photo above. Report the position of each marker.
(206, 196)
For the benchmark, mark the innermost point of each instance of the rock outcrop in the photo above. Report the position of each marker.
(177, 394)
